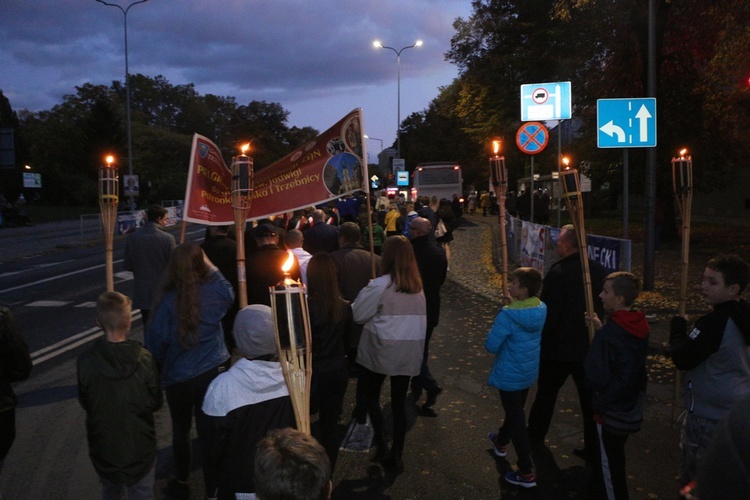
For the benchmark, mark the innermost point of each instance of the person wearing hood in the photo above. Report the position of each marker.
(246, 402)
(615, 369)
(715, 355)
(118, 386)
(515, 339)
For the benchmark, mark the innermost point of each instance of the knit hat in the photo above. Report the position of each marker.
(254, 332)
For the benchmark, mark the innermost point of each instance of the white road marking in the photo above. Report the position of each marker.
(58, 348)
(48, 303)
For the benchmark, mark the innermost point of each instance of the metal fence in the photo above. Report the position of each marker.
(613, 253)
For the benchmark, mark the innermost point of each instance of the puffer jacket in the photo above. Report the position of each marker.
(515, 339)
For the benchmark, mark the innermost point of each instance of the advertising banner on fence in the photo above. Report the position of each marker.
(326, 168)
(532, 245)
(605, 251)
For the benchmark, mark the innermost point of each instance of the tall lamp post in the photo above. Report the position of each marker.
(127, 86)
(375, 139)
(379, 45)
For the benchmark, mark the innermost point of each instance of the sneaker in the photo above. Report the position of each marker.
(499, 449)
(519, 479)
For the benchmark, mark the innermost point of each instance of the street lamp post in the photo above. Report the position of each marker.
(379, 45)
(375, 139)
(127, 86)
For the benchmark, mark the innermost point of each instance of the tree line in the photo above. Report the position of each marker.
(600, 46)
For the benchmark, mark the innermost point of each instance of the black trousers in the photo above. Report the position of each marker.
(185, 400)
(371, 384)
(613, 475)
(552, 376)
(328, 391)
(425, 380)
(514, 427)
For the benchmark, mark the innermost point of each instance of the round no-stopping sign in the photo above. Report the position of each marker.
(532, 138)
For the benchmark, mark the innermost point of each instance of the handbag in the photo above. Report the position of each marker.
(626, 422)
(440, 230)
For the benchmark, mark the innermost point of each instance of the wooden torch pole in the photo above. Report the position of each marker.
(499, 176)
(242, 198)
(293, 342)
(682, 183)
(574, 202)
(109, 185)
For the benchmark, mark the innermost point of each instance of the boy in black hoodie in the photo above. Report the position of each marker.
(616, 371)
(715, 354)
(118, 386)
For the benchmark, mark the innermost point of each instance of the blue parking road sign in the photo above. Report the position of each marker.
(626, 123)
(532, 138)
(545, 101)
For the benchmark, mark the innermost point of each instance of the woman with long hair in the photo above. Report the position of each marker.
(329, 315)
(186, 339)
(393, 311)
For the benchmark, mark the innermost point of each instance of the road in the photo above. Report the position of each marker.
(446, 457)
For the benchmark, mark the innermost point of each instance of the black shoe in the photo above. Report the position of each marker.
(426, 411)
(394, 464)
(177, 490)
(584, 453)
(432, 395)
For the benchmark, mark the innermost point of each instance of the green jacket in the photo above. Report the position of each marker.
(118, 387)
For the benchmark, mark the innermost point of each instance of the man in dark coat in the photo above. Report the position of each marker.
(321, 237)
(565, 340)
(222, 251)
(433, 266)
(147, 251)
(354, 265)
(263, 267)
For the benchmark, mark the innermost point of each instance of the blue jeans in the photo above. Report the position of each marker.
(142, 490)
(695, 437)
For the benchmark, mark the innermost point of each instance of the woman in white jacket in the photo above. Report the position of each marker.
(392, 309)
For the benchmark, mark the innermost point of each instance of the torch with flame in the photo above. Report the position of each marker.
(242, 198)
(682, 182)
(292, 326)
(499, 176)
(109, 188)
(574, 201)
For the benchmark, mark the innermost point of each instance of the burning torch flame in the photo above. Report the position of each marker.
(683, 152)
(244, 148)
(110, 159)
(566, 162)
(288, 263)
(496, 147)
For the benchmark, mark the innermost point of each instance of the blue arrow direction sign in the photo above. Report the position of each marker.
(545, 101)
(626, 123)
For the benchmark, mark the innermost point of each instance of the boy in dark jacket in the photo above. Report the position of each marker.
(715, 354)
(615, 370)
(118, 387)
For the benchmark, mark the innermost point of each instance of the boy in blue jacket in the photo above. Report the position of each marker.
(515, 339)
(615, 369)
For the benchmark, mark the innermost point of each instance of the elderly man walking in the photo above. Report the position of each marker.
(433, 267)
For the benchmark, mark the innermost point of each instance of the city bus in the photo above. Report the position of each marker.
(442, 179)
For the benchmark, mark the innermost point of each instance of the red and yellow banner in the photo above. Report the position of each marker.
(326, 168)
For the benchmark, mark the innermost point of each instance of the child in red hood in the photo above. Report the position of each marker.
(615, 370)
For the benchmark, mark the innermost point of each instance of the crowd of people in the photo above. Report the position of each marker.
(374, 298)
(373, 301)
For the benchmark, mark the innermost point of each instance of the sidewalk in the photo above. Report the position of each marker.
(449, 456)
